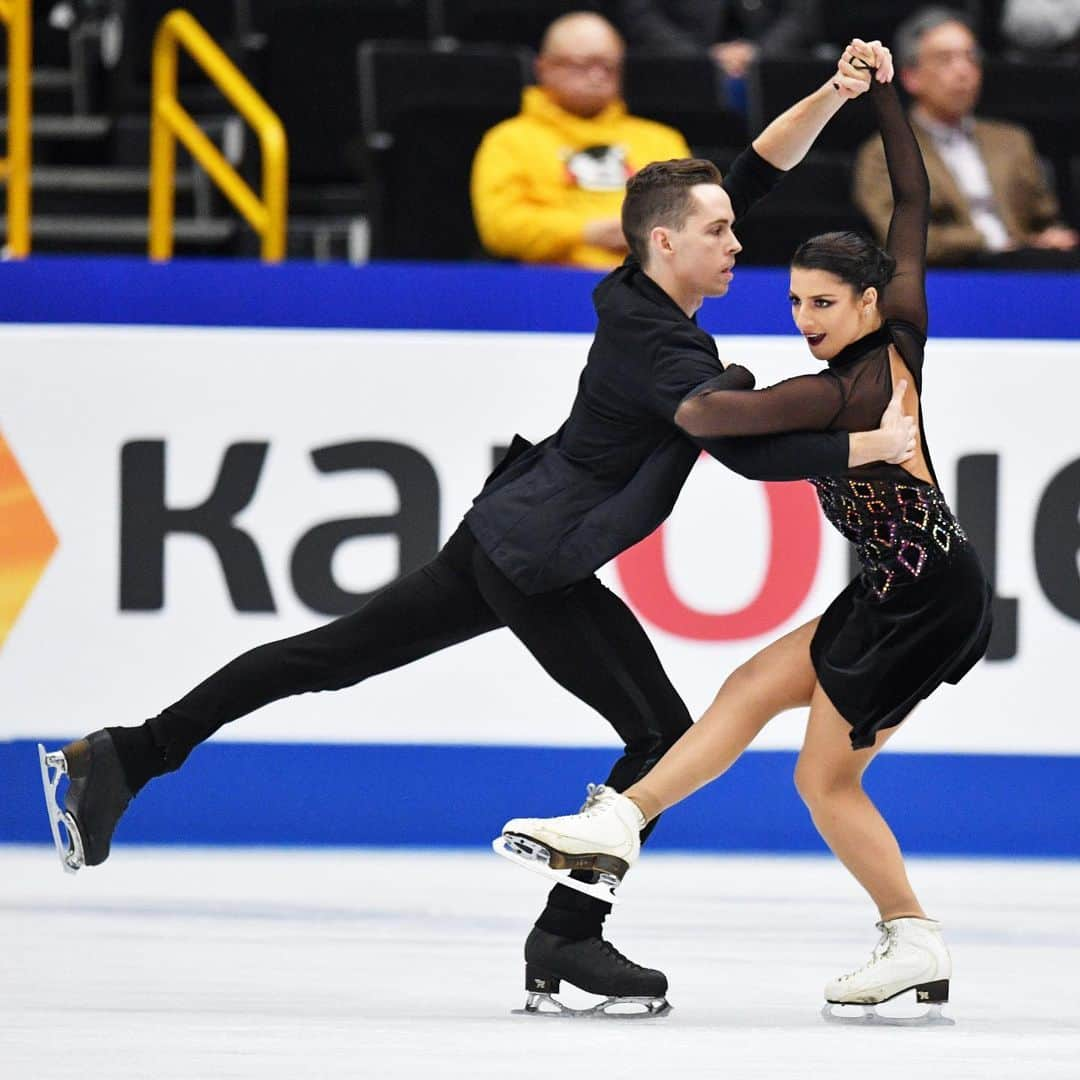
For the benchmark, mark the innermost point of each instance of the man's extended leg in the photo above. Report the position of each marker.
(436, 606)
(589, 641)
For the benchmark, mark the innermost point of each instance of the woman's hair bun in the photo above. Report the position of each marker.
(851, 256)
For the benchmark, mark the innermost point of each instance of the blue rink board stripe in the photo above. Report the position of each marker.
(459, 796)
(463, 296)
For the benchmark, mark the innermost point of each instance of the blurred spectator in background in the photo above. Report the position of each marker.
(734, 32)
(1042, 26)
(990, 201)
(548, 184)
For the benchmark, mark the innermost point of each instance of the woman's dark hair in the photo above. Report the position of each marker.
(852, 257)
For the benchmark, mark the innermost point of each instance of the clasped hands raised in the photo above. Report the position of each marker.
(861, 62)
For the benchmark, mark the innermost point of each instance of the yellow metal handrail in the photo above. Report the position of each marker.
(15, 168)
(169, 121)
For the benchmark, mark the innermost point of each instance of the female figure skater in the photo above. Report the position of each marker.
(917, 615)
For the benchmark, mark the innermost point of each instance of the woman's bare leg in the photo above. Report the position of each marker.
(828, 776)
(778, 678)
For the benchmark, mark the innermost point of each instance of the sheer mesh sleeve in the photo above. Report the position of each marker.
(905, 296)
(805, 403)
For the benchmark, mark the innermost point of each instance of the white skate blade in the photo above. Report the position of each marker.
(70, 850)
(534, 857)
(871, 1016)
(629, 1008)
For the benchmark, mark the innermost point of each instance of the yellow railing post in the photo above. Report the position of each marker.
(15, 168)
(169, 121)
(162, 148)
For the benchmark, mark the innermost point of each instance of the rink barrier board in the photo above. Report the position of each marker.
(479, 296)
(446, 795)
(390, 795)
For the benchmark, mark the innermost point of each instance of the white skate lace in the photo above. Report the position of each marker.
(881, 950)
(597, 799)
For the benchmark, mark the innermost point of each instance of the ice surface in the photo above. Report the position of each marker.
(372, 964)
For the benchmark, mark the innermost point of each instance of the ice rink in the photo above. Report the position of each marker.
(362, 963)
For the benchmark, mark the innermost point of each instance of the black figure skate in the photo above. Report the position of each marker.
(631, 991)
(96, 797)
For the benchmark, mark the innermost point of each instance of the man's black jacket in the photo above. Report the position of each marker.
(553, 513)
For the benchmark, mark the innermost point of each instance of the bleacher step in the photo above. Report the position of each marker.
(57, 232)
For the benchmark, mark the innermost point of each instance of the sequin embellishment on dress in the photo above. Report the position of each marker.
(900, 530)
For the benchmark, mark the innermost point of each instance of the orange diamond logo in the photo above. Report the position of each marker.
(27, 540)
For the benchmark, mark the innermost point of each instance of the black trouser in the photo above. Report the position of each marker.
(584, 636)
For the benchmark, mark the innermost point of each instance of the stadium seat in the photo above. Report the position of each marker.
(129, 78)
(424, 111)
(1043, 97)
(686, 92)
(811, 199)
(775, 83)
(307, 73)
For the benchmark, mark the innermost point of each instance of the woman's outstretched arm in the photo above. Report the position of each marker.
(905, 295)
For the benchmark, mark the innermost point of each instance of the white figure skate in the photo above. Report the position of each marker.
(911, 955)
(602, 839)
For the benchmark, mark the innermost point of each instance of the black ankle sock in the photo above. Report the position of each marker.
(573, 915)
(140, 757)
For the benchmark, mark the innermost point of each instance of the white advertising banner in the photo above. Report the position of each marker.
(163, 491)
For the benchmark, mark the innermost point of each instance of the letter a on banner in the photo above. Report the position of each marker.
(794, 553)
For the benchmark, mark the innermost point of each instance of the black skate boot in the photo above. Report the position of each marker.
(595, 966)
(96, 797)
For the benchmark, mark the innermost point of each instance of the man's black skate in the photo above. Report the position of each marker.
(595, 966)
(97, 796)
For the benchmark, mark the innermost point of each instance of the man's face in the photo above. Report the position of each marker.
(581, 68)
(702, 253)
(948, 76)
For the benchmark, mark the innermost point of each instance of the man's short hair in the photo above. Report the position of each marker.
(910, 32)
(660, 195)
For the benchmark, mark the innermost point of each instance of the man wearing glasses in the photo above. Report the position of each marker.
(548, 184)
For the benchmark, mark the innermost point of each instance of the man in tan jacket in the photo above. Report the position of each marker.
(990, 201)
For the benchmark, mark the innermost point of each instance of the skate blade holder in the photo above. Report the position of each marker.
(612, 1008)
(69, 845)
(930, 996)
(530, 853)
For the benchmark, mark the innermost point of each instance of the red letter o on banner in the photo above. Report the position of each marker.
(794, 550)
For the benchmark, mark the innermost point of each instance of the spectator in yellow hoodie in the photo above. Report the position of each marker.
(548, 184)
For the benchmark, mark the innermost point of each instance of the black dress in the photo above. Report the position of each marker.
(918, 613)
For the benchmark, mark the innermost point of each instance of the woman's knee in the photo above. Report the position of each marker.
(761, 685)
(819, 783)
(747, 681)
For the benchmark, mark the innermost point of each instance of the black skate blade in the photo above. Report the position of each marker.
(630, 1008)
(69, 847)
(536, 860)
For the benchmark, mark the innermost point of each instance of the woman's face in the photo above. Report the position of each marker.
(829, 312)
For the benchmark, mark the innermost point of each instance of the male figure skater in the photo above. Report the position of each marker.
(525, 555)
